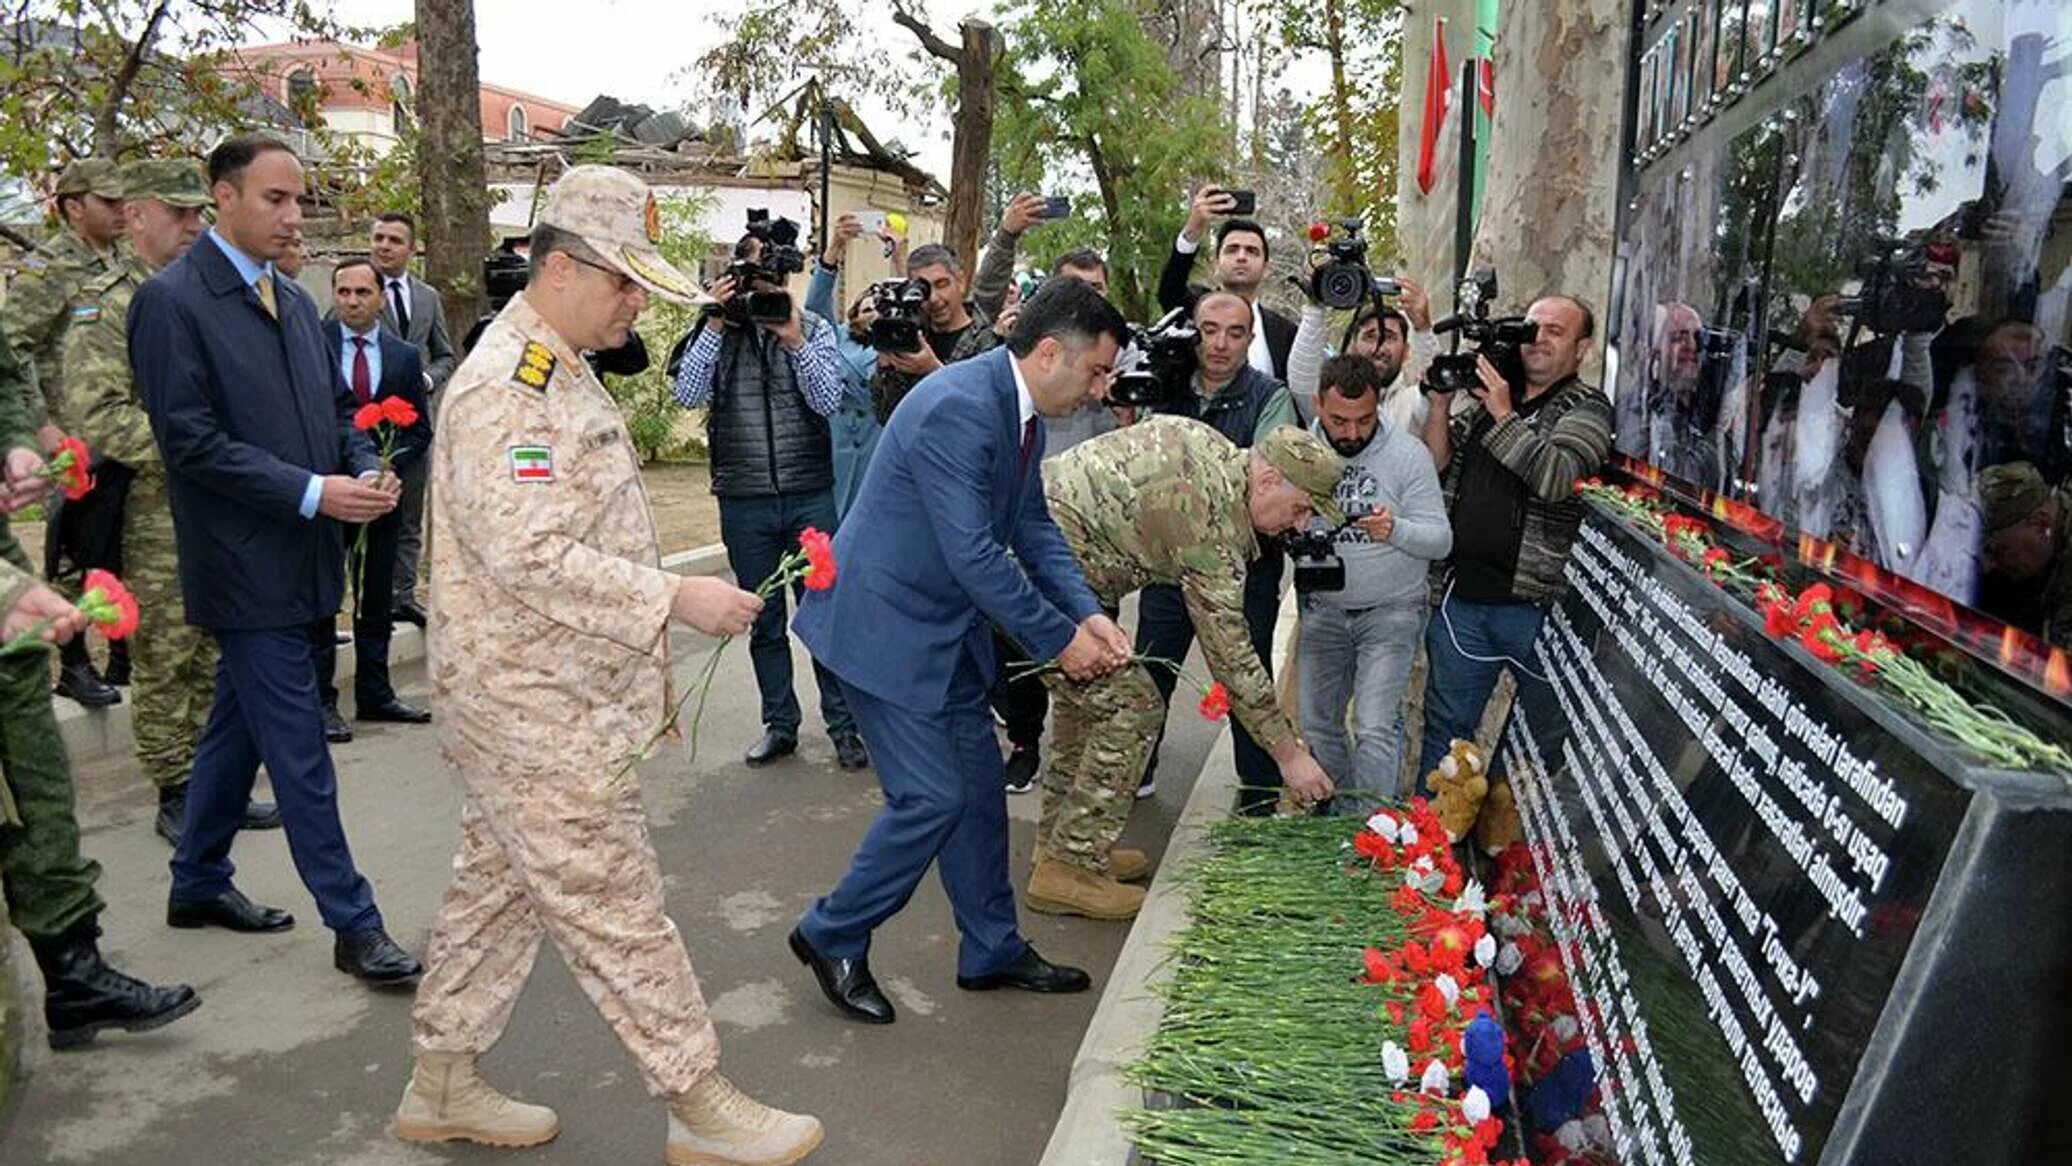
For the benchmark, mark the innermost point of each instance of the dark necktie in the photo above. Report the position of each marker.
(1028, 446)
(363, 379)
(399, 296)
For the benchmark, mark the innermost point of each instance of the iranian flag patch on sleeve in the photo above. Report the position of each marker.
(532, 463)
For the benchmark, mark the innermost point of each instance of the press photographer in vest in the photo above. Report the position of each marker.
(770, 375)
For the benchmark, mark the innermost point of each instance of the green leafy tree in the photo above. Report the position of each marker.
(1087, 91)
(1353, 121)
(653, 417)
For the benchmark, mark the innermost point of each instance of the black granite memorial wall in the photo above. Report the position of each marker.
(1798, 927)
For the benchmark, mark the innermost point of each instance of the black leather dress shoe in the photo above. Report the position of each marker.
(394, 711)
(850, 753)
(82, 685)
(407, 612)
(773, 745)
(229, 910)
(1031, 973)
(372, 956)
(336, 731)
(847, 984)
(261, 816)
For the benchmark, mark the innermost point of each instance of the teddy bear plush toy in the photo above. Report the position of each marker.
(1459, 786)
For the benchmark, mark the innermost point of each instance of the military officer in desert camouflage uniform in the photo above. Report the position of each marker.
(174, 662)
(550, 661)
(1170, 501)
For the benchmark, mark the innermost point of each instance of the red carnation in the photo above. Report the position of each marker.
(109, 604)
(367, 416)
(397, 412)
(69, 469)
(1215, 702)
(820, 558)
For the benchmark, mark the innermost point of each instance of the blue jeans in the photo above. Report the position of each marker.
(757, 533)
(1165, 631)
(1466, 646)
(1361, 658)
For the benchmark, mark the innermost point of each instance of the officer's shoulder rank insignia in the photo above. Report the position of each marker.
(535, 366)
(85, 313)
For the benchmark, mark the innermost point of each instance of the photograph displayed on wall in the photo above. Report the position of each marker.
(1760, 21)
(1706, 12)
(1859, 317)
(1790, 27)
(1680, 107)
(1727, 69)
(1644, 104)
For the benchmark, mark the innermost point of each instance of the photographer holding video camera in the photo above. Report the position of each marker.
(771, 376)
(924, 322)
(1398, 339)
(1362, 584)
(1509, 459)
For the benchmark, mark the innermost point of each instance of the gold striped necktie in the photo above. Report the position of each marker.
(264, 286)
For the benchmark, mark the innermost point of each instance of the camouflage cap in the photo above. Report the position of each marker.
(615, 214)
(91, 176)
(173, 181)
(1308, 463)
(2010, 493)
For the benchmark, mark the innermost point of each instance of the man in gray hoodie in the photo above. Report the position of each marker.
(1357, 643)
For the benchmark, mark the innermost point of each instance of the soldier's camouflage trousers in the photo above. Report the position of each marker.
(173, 665)
(49, 884)
(1101, 731)
(566, 859)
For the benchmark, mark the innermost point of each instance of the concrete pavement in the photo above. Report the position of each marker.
(288, 1061)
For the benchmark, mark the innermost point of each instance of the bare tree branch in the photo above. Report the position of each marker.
(936, 46)
(107, 140)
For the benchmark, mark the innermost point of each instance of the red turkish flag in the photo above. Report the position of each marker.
(1485, 86)
(1436, 90)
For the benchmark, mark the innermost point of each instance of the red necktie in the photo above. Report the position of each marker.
(363, 381)
(1028, 446)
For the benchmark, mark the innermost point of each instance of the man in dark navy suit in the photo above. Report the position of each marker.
(924, 576)
(378, 366)
(254, 423)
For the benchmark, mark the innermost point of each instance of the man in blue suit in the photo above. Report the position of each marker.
(908, 628)
(378, 366)
(254, 423)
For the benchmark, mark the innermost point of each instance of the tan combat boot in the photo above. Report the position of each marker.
(1061, 889)
(714, 1124)
(447, 1101)
(1125, 864)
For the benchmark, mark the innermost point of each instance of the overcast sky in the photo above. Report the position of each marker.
(635, 50)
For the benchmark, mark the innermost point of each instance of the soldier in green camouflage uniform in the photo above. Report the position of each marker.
(1166, 501)
(39, 300)
(2028, 550)
(48, 882)
(174, 663)
(85, 246)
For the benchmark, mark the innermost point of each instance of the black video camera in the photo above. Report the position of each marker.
(1900, 293)
(1318, 566)
(1498, 339)
(1341, 280)
(1157, 366)
(780, 259)
(897, 327)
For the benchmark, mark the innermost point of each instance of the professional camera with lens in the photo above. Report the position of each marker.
(897, 327)
(1901, 291)
(780, 259)
(1499, 339)
(1318, 566)
(1339, 278)
(1157, 366)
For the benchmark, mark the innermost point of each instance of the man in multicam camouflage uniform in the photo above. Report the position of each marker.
(547, 594)
(85, 246)
(2028, 550)
(175, 663)
(1166, 501)
(48, 883)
